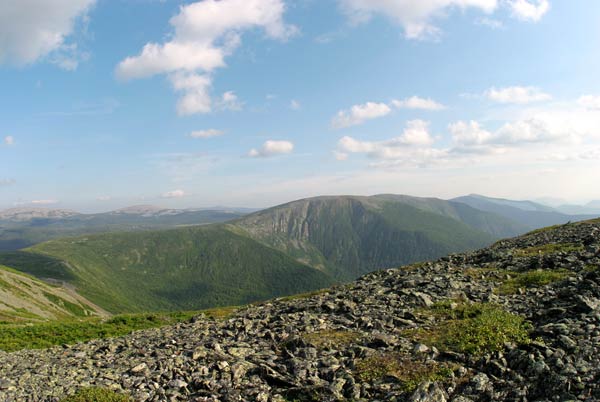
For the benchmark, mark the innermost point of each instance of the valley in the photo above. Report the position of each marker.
(297, 247)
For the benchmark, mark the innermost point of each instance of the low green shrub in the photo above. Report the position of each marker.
(473, 328)
(97, 395)
(531, 279)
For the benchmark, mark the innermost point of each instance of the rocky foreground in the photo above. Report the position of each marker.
(518, 321)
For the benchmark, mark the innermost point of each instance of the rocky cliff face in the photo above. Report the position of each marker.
(348, 236)
(518, 321)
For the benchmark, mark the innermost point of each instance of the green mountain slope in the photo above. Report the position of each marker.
(24, 298)
(349, 236)
(488, 222)
(292, 248)
(179, 269)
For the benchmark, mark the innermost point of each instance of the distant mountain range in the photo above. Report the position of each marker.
(527, 213)
(295, 247)
(23, 227)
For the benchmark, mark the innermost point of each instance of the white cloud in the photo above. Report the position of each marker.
(195, 93)
(532, 135)
(529, 10)
(590, 102)
(174, 194)
(68, 57)
(533, 130)
(295, 105)
(33, 29)
(7, 182)
(358, 114)
(517, 94)
(417, 17)
(9, 140)
(205, 33)
(229, 101)
(272, 148)
(414, 16)
(206, 133)
(104, 198)
(415, 102)
(415, 136)
(591, 154)
(490, 22)
(469, 134)
(529, 131)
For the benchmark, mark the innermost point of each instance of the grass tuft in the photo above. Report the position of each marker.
(549, 249)
(531, 279)
(97, 395)
(474, 329)
(45, 335)
(331, 338)
(409, 372)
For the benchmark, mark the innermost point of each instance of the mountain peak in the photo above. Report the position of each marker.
(140, 209)
(27, 214)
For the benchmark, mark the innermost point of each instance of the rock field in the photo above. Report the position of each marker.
(391, 335)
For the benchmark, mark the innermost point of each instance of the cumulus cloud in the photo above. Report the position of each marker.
(206, 133)
(33, 29)
(358, 114)
(529, 10)
(590, 102)
(531, 135)
(416, 135)
(414, 16)
(195, 93)
(9, 140)
(272, 148)
(230, 101)
(517, 94)
(174, 194)
(205, 33)
(471, 137)
(417, 17)
(469, 133)
(415, 102)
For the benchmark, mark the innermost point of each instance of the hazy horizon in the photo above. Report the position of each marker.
(253, 103)
(162, 203)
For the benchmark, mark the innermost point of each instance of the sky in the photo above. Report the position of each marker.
(110, 103)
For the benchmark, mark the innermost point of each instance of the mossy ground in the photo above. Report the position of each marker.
(97, 395)
(546, 249)
(472, 328)
(39, 336)
(525, 280)
(401, 367)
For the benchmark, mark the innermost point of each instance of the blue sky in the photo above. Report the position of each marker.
(251, 103)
